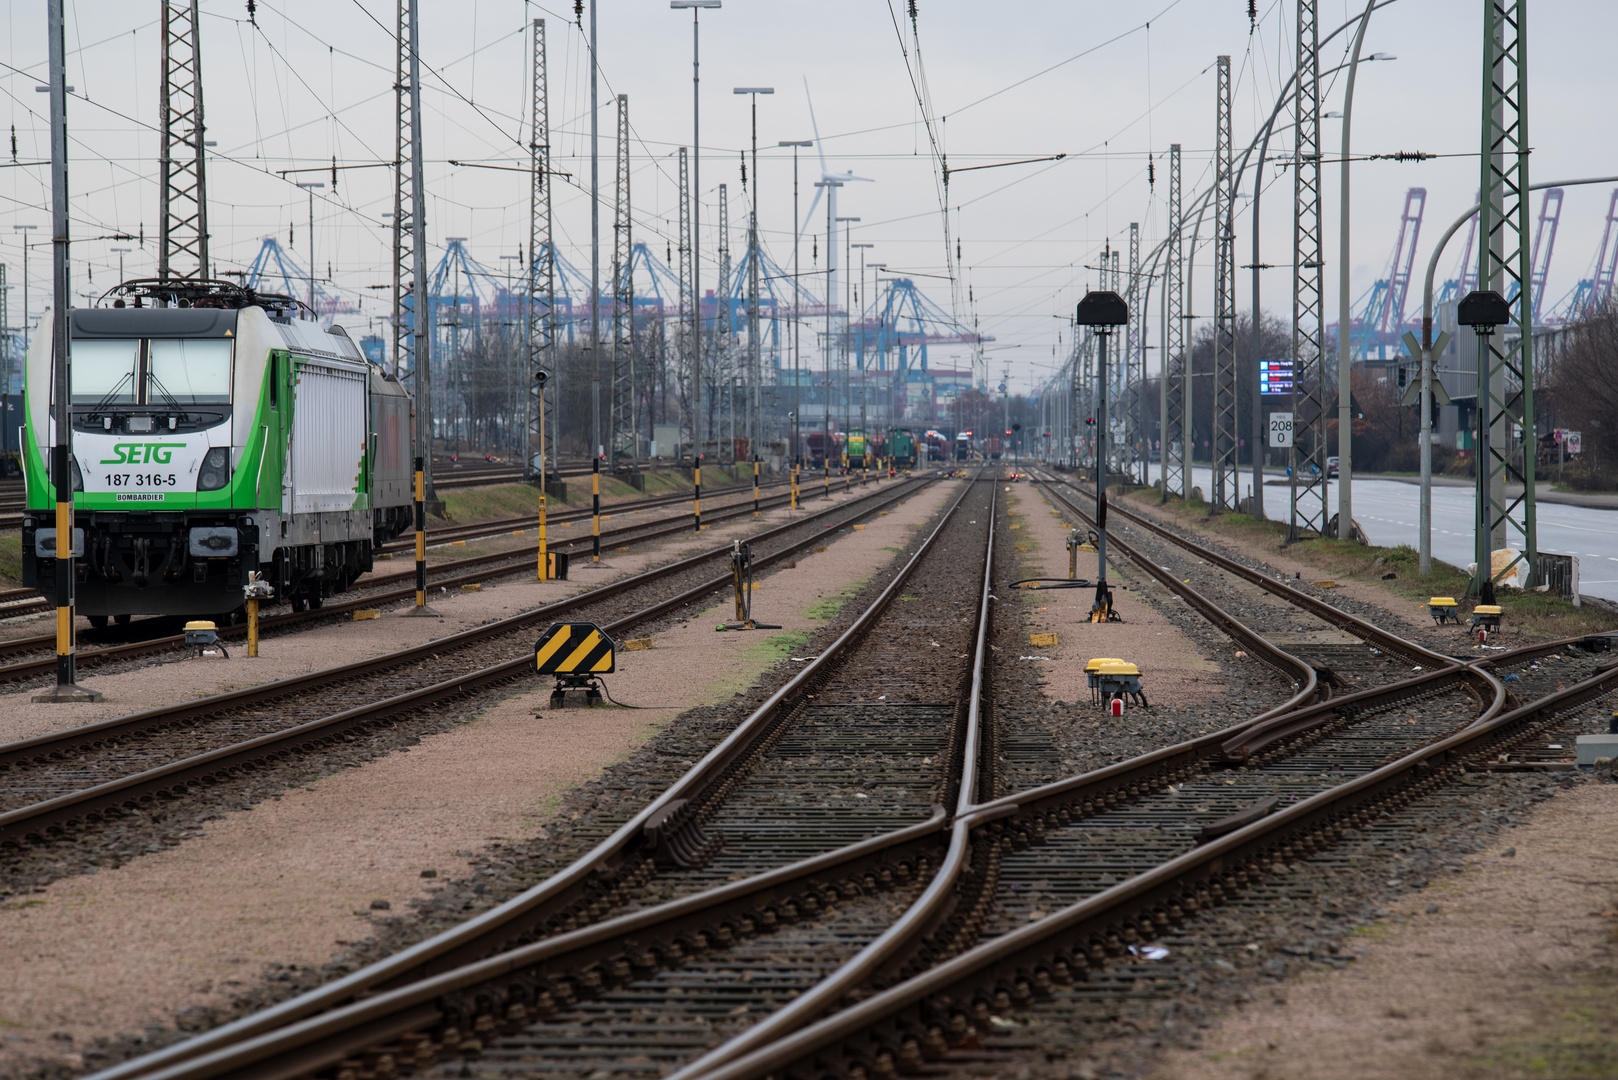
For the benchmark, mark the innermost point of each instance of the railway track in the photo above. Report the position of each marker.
(15, 602)
(680, 829)
(81, 776)
(1035, 897)
(452, 478)
(372, 592)
(452, 533)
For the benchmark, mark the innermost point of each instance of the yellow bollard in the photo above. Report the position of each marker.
(255, 590)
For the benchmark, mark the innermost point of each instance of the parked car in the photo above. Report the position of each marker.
(1331, 467)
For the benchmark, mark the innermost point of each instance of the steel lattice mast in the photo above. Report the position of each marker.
(412, 350)
(622, 421)
(1225, 488)
(1505, 362)
(542, 430)
(1176, 471)
(1133, 358)
(755, 358)
(182, 242)
(721, 294)
(690, 367)
(722, 328)
(1309, 375)
(1117, 372)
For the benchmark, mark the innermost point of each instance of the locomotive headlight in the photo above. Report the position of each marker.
(215, 471)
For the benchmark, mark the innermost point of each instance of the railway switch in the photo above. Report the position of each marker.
(1118, 680)
(1102, 610)
(1443, 610)
(1486, 620)
(741, 574)
(203, 636)
(575, 653)
(1092, 674)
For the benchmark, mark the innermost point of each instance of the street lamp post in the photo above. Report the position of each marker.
(696, 7)
(882, 336)
(755, 373)
(864, 371)
(831, 281)
(797, 362)
(311, 186)
(848, 309)
(1345, 327)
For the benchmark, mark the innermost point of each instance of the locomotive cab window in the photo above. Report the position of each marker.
(188, 371)
(104, 370)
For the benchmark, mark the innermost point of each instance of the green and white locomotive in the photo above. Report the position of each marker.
(216, 432)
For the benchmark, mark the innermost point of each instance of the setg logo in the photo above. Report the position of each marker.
(158, 453)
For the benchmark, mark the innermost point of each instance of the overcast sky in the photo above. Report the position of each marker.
(1005, 81)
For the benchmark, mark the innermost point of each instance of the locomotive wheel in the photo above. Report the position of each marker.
(98, 621)
(122, 620)
(298, 603)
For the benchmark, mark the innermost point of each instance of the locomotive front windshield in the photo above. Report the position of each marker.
(160, 372)
(104, 370)
(191, 371)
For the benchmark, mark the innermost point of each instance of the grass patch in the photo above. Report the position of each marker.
(826, 608)
(11, 560)
(777, 647)
(471, 505)
(1530, 616)
(1574, 1036)
(468, 506)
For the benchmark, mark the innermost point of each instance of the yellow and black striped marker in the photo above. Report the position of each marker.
(574, 649)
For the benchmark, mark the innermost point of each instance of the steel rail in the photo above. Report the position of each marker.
(1361, 628)
(1031, 957)
(1050, 804)
(477, 530)
(224, 1050)
(52, 745)
(931, 906)
(1304, 676)
(28, 601)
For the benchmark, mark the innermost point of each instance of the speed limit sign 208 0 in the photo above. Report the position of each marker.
(1280, 429)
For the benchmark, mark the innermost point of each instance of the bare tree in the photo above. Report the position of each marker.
(1584, 382)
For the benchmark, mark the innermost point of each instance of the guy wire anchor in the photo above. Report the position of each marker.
(741, 573)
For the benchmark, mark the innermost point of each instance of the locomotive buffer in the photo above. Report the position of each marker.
(576, 653)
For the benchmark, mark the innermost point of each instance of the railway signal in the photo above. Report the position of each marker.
(1483, 311)
(576, 653)
(1102, 311)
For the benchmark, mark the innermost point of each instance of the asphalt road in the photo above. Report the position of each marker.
(1389, 512)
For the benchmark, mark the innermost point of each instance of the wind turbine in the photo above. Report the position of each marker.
(829, 182)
